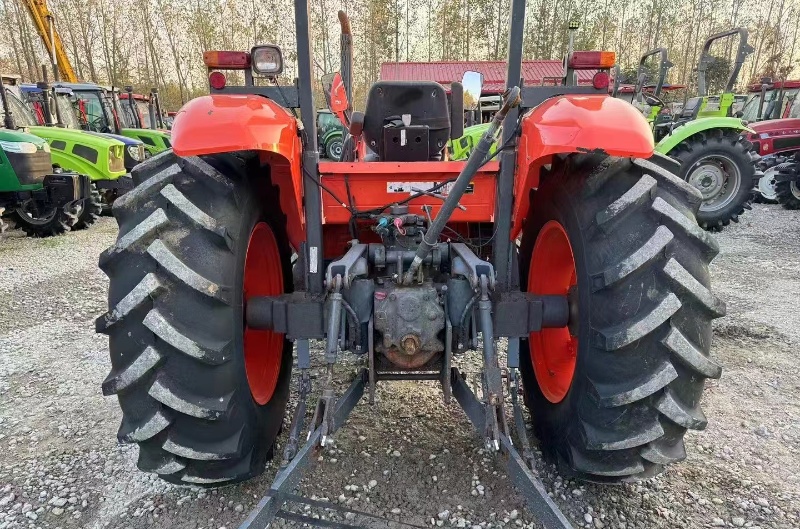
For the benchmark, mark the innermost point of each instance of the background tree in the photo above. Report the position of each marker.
(159, 43)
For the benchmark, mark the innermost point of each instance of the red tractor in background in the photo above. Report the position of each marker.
(775, 110)
(578, 245)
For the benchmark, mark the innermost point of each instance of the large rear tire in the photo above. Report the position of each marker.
(612, 395)
(181, 354)
(721, 165)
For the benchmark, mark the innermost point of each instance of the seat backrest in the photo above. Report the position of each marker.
(691, 108)
(424, 105)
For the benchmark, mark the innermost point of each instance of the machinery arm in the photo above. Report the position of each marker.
(43, 20)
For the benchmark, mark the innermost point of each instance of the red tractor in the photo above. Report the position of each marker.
(776, 109)
(578, 246)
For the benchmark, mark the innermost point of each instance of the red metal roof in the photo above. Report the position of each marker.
(494, 72)
(778, 84)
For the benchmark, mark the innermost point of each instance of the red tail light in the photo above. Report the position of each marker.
(217, 80)
(601, 80)
(591, 60)
(227, 60)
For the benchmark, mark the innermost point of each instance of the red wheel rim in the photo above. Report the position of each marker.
(554, 350)
(263, 276)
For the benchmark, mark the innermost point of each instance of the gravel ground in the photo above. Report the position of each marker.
(409, 457)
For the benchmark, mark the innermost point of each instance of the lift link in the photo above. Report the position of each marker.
(323, 417)
(495, 423)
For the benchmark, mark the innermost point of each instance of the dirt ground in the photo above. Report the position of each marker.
(408, 458)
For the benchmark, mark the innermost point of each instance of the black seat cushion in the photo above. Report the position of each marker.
(424, 101)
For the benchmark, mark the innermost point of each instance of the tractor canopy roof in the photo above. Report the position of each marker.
(30, 88)
(629, 88)
(137, 97)
(534, 73)
(778, 84)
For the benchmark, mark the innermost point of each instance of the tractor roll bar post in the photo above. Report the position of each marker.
(706, 59)
(311, 189)
(663, 67)
(505, 182)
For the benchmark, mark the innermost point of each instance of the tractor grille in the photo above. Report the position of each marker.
(116, 158)
(30, 168)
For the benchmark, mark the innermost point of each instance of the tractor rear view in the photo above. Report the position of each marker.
(407, 258)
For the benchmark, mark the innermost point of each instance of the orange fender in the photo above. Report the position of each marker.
(574, 123)
(227, 123)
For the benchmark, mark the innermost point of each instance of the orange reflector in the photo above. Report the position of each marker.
(227, 60)
(592, 60)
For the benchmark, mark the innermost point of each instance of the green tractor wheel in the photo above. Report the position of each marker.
(333, 148)
(720, 164)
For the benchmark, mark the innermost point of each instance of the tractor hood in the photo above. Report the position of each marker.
(771, 126)
(76, 136)
(20, 136)
(124, 139)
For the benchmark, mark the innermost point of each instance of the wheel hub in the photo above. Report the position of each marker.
(263, 276)
(718, 179)
(766, 185)
(709, 179)
(554, 351)
(795, 189)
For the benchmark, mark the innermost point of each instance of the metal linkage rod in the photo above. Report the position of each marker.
(539, 503)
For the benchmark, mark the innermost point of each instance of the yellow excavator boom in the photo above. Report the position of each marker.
(42, 19)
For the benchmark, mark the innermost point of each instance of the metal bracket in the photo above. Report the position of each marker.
(351, 265)
(466, 263)
(517, 314)
(299, 315)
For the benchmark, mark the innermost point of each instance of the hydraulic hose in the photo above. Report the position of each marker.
(476, 159)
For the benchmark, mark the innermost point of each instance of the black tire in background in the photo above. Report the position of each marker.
(57, 221)
(767, 194)
(715, 149)
(88, 210)
(176, 323)
(788, 192)
(644, 316)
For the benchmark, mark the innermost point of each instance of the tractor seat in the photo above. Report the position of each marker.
(691, 108)
(407, 121)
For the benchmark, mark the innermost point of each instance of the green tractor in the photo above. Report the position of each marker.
(102, 111)
(707, 141)
(41, 203)
(142, 118)
(102, 159)
(59, 107)
(330, 134)
(477, 116)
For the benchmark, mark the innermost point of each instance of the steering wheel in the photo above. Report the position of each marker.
(99, 124)
(653, 100)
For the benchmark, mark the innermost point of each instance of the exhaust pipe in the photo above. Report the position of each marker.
(346, 55)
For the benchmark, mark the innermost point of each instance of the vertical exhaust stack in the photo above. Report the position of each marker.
(46, 110)
(346, 54)
(8, 121)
